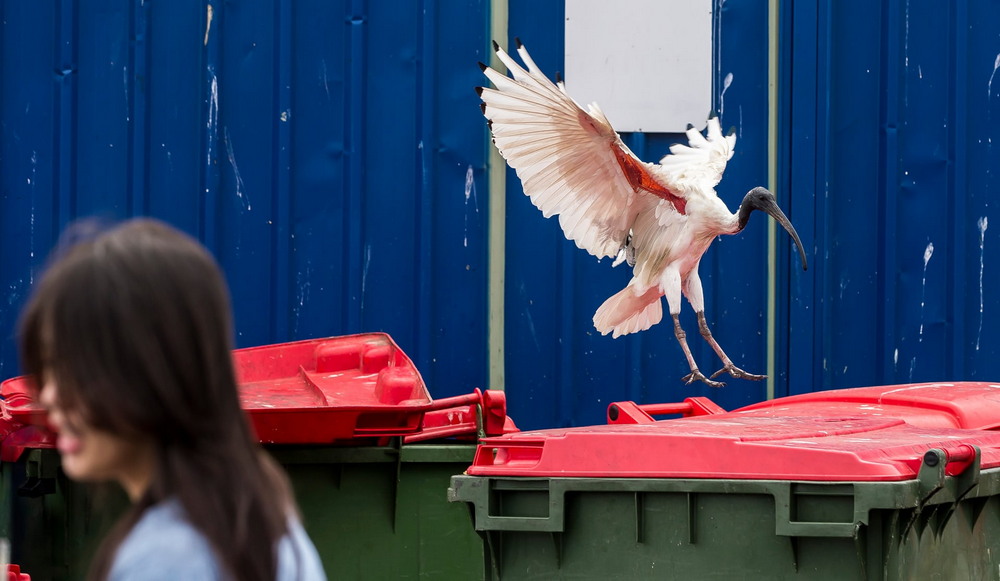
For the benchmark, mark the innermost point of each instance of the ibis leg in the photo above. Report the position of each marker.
(726, 362)
(695, 374)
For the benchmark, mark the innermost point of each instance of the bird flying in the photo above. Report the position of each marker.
(659, 218)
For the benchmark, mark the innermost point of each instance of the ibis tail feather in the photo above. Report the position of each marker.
(627, 312)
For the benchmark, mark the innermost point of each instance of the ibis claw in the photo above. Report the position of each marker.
(697, 375)
(738, 373)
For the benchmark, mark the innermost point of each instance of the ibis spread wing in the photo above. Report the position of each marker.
(571, 162)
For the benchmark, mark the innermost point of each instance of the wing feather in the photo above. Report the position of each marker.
(698, 166)
(571, 162)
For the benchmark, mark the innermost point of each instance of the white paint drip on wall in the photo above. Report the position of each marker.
(208, 24)
(528, 318)
(906, 37)
(326, 79)
(304, 285)
(989, 85)
(928, 252)
(236, 171)
(470, 193)
(213, 113)
(128, 118)
(726, 82)
(32, 181)
(34, 163)
(983, 225)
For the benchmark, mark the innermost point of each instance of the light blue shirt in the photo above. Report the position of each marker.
(163, 545)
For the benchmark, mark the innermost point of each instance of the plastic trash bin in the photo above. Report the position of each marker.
(369, 453)
(816, 494)
(54, 525)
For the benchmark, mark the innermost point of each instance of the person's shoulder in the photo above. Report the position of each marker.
(297, 556)
(164, 545)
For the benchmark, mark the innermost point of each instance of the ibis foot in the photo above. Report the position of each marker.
(738, 373)
(697, 375)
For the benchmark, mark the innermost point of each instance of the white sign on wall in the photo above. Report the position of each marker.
(647, 63)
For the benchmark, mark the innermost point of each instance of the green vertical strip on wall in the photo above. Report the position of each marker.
(497, 172)
(772, 183)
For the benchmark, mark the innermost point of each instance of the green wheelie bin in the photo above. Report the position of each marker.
(867, 489)
(369, 453)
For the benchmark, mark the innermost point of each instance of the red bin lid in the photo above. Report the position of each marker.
(734, 446)
(323, 391)
(304, 392)
(332, 389)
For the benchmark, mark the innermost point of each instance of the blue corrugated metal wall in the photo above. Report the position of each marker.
(328, 152)
(333, 156)
(891, 110)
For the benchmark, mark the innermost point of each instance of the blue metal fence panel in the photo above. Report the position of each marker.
(333, 156)
(890, 149)
(560, 371)
(326, 152)
(28, 151)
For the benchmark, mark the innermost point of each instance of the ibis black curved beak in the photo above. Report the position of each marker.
(763, 200)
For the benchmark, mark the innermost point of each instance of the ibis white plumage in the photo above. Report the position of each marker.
(660, 218)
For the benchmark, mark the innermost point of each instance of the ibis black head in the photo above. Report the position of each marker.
(761, 199)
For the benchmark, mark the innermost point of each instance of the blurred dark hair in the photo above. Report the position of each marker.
(133, 323)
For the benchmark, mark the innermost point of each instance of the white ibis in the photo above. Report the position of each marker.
(660, 218)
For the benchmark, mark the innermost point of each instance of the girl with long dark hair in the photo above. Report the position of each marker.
(128, 339)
